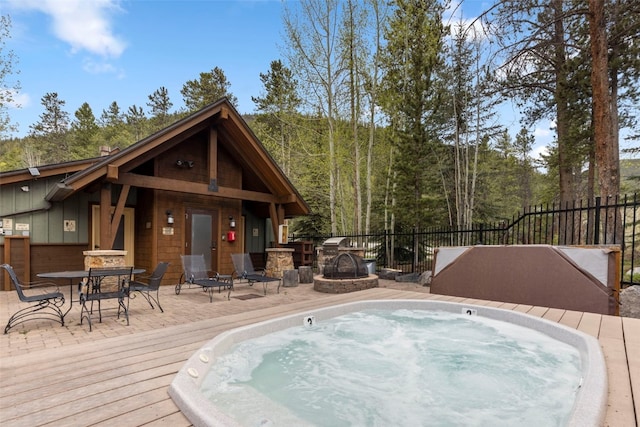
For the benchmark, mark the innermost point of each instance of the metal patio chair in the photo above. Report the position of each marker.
(102, 284)
(195, 273)
(244, 270)
(43, 306)
(150, 284)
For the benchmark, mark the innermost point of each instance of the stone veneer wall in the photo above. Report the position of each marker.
(279, 260)
(105, 259)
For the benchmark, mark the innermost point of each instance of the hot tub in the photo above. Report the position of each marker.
(590, 393)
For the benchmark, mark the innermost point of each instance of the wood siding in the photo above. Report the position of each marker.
(44, 258)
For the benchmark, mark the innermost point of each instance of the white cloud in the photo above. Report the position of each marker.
(18, 100)
(22, 100)
(94, 67)
(455, 17)
(545, 130)
(101, 67)
(539, 150)
(84, 24)
(539, 132)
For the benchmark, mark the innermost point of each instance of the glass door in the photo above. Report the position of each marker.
(202, 233)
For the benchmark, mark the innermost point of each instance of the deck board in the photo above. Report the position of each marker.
(590, 324)
(123, 379)
(631, 332)
(553, 315)
(571, 318)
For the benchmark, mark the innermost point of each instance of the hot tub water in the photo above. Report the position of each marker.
(398, 367)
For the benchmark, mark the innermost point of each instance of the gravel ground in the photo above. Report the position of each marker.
(630, 302)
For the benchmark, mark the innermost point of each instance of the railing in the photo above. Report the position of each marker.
(611, 222)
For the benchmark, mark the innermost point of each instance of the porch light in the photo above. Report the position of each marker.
(232, 222)
(169, 218)
(185, 164)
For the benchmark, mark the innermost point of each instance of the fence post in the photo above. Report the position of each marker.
(596, 223)
(414, 261)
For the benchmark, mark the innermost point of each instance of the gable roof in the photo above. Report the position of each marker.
(242, 144)
(44, 171)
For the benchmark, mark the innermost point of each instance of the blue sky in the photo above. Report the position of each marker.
(123, 51)
(100, 51)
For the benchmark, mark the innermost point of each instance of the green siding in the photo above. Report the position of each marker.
(46, 224)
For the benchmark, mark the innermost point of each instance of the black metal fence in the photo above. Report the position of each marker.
(611, 222)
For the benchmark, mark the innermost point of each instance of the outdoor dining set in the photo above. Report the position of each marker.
(95, 285)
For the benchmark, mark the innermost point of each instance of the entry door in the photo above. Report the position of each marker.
(202, 234)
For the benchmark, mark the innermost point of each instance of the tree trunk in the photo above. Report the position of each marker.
(607, 159)
(565, 155)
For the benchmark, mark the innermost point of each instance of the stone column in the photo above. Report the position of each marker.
(278, 260)
(105, 259)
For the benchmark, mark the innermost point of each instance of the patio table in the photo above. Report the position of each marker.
(73, 275)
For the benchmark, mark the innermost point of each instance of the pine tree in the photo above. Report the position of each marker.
(278, 107)
(50, 133)
(136, 120)
(208, 89)
(414, 43)
(114, 131)
(84, 130)
(160, 105)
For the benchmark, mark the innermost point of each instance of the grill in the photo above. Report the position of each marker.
(330, 246)
(346, 266)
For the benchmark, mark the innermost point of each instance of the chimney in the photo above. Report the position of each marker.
(105, 150)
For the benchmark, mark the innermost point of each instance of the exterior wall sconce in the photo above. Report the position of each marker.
(25, 188)
(169, 218)
(185, 164)
(232, 222)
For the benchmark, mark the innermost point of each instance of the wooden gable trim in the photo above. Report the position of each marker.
(109, 223)
(277, 213)
(168, 184)
(112, 172)
(220, 120)
(266, 174)
(213, 155)
(144, 150)
(117, 214)
(273, 213)
(105, 216)
(136, 159)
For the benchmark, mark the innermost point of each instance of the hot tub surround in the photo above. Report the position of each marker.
(591, 397)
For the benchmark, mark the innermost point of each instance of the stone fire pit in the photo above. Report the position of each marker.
(344, 273)
(343, 286)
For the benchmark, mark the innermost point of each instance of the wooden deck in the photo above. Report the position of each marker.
(123, 379)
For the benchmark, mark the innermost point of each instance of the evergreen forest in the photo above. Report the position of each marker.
(386, 116)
